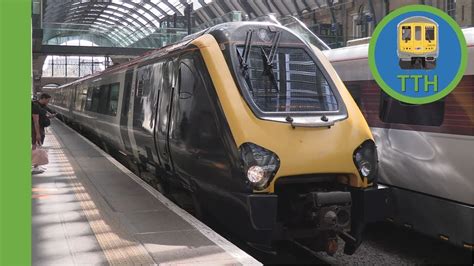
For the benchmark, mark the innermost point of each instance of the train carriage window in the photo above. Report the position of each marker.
(103, 99)
(146, 93)
(393, 111)
(418, 33)
(429, 33)
(95, 99)
(83, 98)
(113, 99)
(406, 33)
(79, 98)
(89, 99)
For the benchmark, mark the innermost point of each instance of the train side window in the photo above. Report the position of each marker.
(81, 95)
(113, 99)
(83, 99)
(406, 33)
(95, 99)
(89, 98)
(186, 82)
(393, 111)
(103, 99)
(418, 33)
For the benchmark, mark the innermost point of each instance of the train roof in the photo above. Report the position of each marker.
(417, 19)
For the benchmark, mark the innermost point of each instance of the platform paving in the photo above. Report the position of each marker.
(87, 209)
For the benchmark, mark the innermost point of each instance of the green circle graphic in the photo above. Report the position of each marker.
(393, 93)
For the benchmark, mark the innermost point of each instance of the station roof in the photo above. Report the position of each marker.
(117, 20)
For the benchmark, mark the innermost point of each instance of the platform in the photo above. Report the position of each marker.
(89, 209)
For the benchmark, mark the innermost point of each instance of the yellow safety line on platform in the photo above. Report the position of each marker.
(117, 249)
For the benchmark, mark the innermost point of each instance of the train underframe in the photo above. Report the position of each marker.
(428, 62)
(413, 210)
(417, 61)
(314, 214)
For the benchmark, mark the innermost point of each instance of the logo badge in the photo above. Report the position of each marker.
(417, 54)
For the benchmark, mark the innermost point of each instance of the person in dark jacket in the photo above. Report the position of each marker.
(40, 119)
(41, 115)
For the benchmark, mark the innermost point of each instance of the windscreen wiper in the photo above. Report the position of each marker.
(244, 57)
(268, 60)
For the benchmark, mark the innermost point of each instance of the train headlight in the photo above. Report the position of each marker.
(260, 164)
(366, 160)
(255, 174)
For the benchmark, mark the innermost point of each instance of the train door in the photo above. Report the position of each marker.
(126, 98)
(418, 38)
(163, 115)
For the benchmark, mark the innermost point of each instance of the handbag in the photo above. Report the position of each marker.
(39, 156)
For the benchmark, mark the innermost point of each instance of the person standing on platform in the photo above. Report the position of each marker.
(40, 119)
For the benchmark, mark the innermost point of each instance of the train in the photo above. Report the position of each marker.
(417, 43)
(425, 151)
(252, 121)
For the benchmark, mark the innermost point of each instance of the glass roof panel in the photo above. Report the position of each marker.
(155, 11)
(180, 8)
(128, 5)
(147, 6)
(142, 21)
(165, 8)
(196, 4)
(148, 16)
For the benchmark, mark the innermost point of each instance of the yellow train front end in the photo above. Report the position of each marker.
(306, 150)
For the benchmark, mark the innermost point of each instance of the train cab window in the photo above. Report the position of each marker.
(294, 83)
(429, 33)
(406, 33)
(418, 33)
(393, 111)
(113, 99)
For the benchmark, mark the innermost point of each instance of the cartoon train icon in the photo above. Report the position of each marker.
(418, 43)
